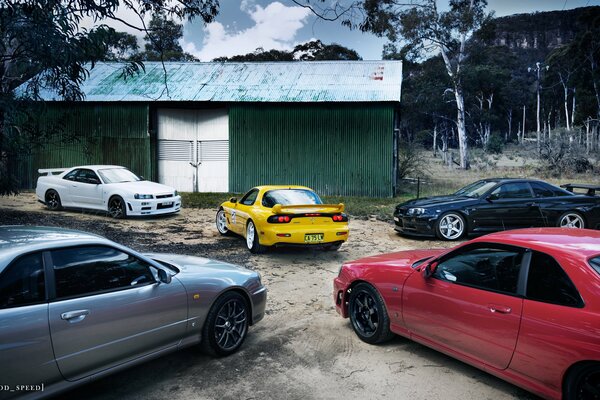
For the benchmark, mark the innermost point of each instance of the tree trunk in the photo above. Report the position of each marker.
(435, 140)
(573, 109)
(509, 134)
(523, 128)
(461, 127)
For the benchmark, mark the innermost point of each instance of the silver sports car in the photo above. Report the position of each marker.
(75, 307)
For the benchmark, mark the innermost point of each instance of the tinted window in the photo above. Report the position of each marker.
(83, 270)
(595, 263)
(289, 197)
(250, 197)
(483, 267)
(512, 191)
(476, 189)
(87, 176)
(541, 189)
(71, 175)
(22, 282)
(548, 282)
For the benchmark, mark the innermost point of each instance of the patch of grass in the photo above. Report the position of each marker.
(206, 200)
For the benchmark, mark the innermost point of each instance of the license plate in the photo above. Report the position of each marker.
(166, 204)
(313, 237)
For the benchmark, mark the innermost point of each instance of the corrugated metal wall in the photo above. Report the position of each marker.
(338, 149)
(115, 134)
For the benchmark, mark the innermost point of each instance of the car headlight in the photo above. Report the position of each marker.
(416, 211)
(138, 196)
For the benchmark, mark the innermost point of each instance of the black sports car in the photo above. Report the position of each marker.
(498, 204)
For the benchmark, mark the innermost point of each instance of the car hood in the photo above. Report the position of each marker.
(190, 265)
(399, 259)
(436, 201)
(144, 187)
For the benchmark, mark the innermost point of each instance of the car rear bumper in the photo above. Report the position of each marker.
(153, 206)
(417, 226)
(288, 234)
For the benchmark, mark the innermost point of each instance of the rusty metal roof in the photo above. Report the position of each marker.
(306, 82)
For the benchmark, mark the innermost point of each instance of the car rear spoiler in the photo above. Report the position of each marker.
(309, 209)
(52, 171)
(591, 189)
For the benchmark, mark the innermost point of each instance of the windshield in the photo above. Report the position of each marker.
(287, 197)
(476, 189)
(118, 175)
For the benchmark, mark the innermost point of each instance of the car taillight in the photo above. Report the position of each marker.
(279, 219)
(340, 218)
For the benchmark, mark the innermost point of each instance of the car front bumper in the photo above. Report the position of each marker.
(339, 296)
(422, 225)
(141, 207)
(259, 304)
(288, 234)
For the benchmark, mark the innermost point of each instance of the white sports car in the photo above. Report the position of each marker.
(109, 188)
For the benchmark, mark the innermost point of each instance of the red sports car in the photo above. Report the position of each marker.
(523, 305)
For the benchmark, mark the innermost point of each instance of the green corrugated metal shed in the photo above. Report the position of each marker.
(336, 149)
(327, 125)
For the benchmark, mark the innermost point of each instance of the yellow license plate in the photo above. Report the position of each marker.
(313, 237)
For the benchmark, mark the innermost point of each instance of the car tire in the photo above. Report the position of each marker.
(368, 314)
(582, 382)
(252, 240)
(221, 222)
(226, 325)
(53, 201)
(333, 247)
(571, 219)
(450, 226)
(117, 208)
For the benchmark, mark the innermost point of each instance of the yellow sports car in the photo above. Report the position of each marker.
(283, 215)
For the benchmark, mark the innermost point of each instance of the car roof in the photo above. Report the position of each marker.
(96, 167)
(275, 187)
(578, 243)
(19, 239)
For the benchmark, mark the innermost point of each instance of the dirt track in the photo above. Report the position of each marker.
(302, 349)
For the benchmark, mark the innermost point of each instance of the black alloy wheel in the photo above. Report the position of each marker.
(583, 383)
(368, 314)
(226, 325)
(53, 200)
(116, 208)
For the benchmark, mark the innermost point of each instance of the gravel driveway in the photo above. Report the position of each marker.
(302, 349)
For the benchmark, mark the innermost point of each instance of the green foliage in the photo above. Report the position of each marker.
(310, 51)
(495, 145)
(562, 155)
(162, 41)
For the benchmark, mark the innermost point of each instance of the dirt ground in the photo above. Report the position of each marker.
(302, 349)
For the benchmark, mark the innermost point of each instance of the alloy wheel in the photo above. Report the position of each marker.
(451, 226)
(116, 208)
(250, 234)
(571, 220)
(222, 222)
(366, 318)
(231, 324)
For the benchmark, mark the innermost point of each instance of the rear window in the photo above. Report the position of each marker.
(287, 197)
(595, 263)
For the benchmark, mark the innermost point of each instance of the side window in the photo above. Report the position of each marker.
(249, 198)
(22, 282)
(484, 267)
(71, 175)
(517, 190)
(79, 271)
(87, 176)
(541, 190)
(547, 282)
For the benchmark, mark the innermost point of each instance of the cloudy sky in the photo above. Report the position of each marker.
(242, 26)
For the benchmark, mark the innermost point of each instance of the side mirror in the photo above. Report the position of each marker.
(163, 276)
(492, 197)
(429, 269)
(233, 200)
(142, 178)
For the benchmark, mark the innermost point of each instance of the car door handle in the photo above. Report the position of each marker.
(499, 309)
(74, 316)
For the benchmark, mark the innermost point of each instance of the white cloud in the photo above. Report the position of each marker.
(275, 27)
